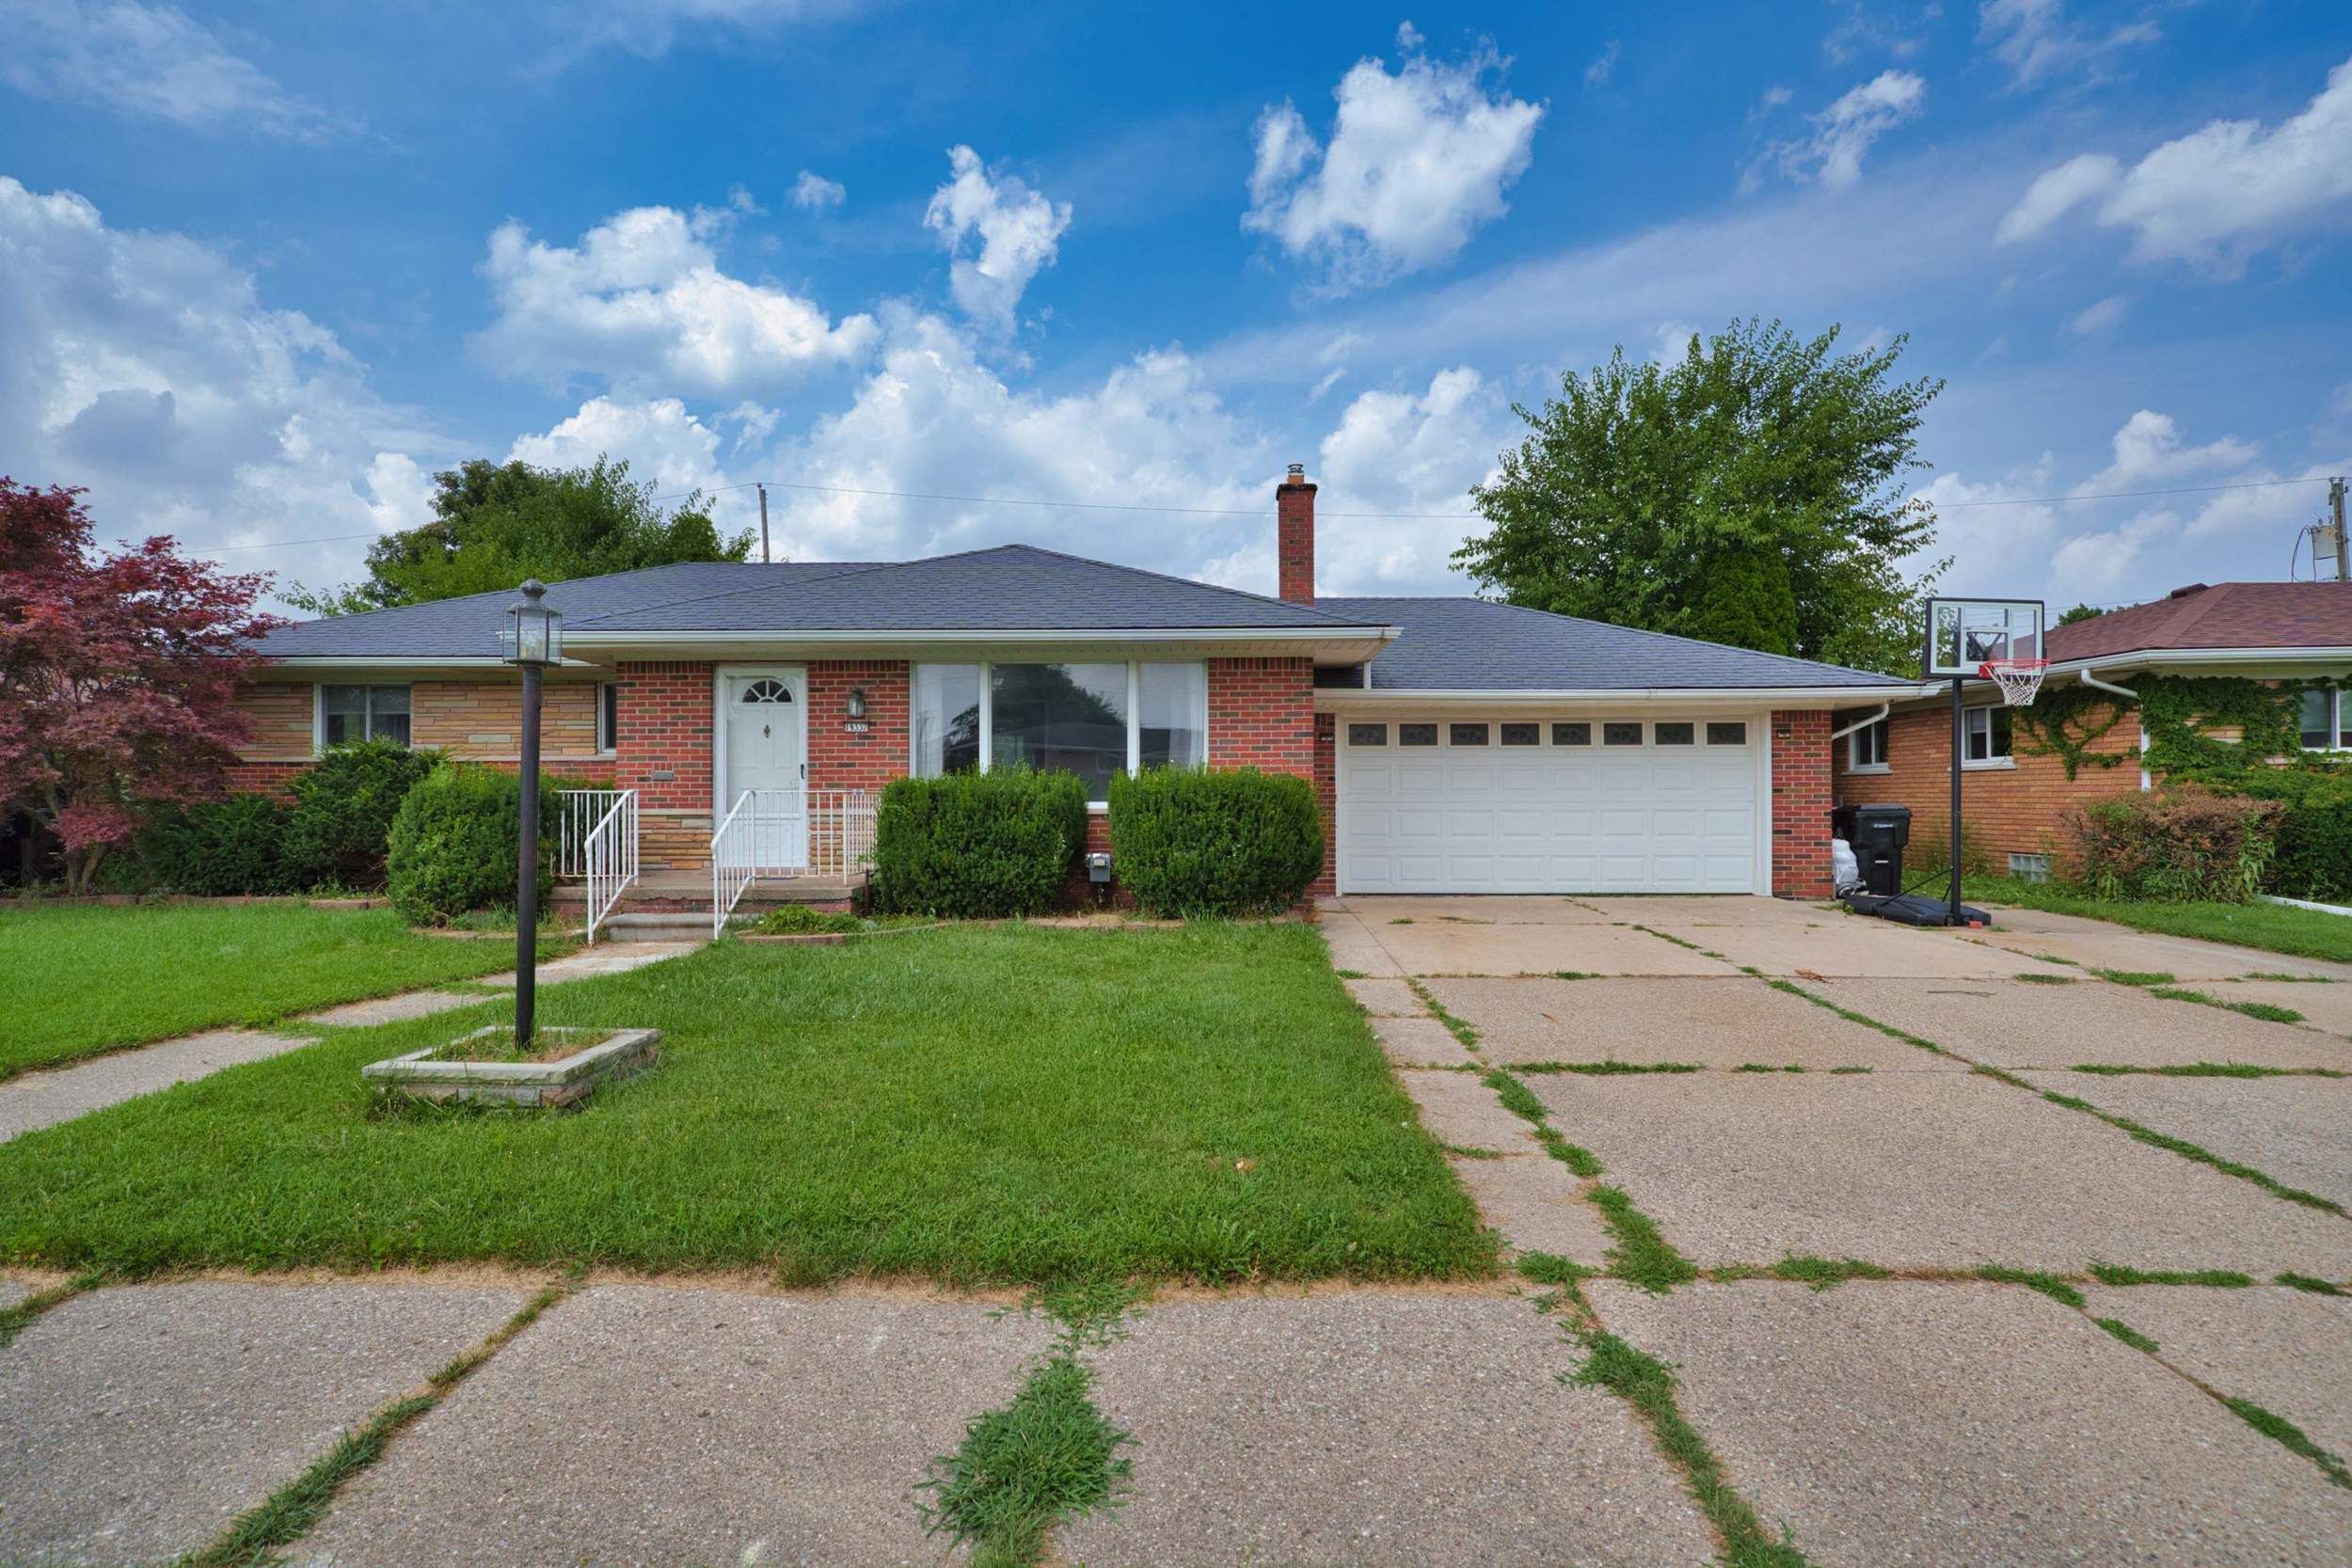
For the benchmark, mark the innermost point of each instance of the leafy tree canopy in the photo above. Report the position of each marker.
(1750, 493)
(494, 525)
(2080, 613)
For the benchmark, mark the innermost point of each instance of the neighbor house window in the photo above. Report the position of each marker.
(349, 713)
(2323, 721)
(1091, 719)
(609, 717)
(1866, 747)
(1985, 737)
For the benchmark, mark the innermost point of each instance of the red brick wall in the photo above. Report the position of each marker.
(665, 714)
(2005, 810)
(1327, 801)
(1800, 802)
(838, 759)
(1295, 542)
(1261, 714)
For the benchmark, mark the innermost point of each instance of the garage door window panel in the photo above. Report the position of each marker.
(1367, 734)
(1677, 733)
(1617, 733)
(1573, 733)
(1416, 735)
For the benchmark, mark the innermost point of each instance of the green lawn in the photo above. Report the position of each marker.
(2272, 927)
(1007, 1104)
(76, 980)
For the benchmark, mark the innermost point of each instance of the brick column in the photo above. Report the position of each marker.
(664, 753)
(1328, 802)
(1261, 714)
(1800, 802)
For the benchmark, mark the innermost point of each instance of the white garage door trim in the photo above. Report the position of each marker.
(1564, 814)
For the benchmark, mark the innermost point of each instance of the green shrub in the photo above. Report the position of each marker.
(228, 848)
(2183, 846)
(977, 844)
(455, 839)
(2315, 857)
(343, 809)
(1216, 841)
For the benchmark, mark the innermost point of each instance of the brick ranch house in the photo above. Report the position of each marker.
(2016, 792)
(1456, 745)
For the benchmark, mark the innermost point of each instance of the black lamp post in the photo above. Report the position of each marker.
(533, 639)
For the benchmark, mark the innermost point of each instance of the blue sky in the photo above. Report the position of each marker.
(263, 269)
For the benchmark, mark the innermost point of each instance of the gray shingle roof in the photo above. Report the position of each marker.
(1478, 645)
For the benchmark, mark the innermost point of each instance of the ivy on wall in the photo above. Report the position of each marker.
(2065, 723)
(2181, 713)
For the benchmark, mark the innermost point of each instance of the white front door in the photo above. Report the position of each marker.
(767, 735)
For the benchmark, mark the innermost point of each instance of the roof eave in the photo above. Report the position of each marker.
(1345, 699)
(1337, 643)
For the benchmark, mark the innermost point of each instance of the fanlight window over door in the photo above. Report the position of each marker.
(765, 691)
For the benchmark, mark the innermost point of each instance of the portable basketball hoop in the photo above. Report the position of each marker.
(2020, 679)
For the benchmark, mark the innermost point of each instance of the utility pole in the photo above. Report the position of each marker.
(2335, 509)
(764, 557)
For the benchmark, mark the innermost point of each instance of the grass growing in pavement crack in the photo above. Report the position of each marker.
(1761, 1067)
(2267, 1011)
(2035, 978)
(1837, 1070)
(2048, 1284)
(1458, 1028)
(1606, 1069)
(1647, 1384)
(1549, 1268)
(2116, 1273)
(1820, 1273)
(2126, 1332)
(2316, 1287)
(2141, 977)
(2298, 980)
(2209, 1069)
(2183, 1148)
(1852, 1017)
(1521, 1102)
(17, 1318)
(1642, 1256)
(1046, 1458)
(2285, 1433)
(286, 1515)
(2054, 959)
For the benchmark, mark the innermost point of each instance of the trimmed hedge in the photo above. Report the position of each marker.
(2314, 856)
(343, 809)
(977, 844)
(2186, 845)
(1216, 841)
(455, 839)
(234, 847)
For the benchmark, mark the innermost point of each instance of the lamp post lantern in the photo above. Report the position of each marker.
(533, 639)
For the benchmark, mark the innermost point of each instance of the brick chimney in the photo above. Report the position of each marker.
(1294, 536)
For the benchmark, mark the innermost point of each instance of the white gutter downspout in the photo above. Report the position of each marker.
(1885, 708)
(2147, 781)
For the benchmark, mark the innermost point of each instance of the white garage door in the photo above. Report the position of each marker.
(1550, 805)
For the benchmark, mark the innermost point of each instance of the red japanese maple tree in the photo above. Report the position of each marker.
(119, 674)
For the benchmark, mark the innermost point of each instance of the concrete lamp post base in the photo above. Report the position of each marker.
(443, 1073)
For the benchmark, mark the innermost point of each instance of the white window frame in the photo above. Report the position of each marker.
(2335, 719)
(1135, 706)
(318, 710)
(608, 692)
(1969, 726)
(1854, 747)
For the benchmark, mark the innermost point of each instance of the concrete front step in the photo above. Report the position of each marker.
(688, 893)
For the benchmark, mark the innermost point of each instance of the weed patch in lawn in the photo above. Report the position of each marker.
(1642, 1256)
(986, 1104)
(2048, 1284)
(2269, 1012)
(2287, 1434)
(1647, 1384)
(2316, 1287)
(2126, 1332)
(2116, 1273)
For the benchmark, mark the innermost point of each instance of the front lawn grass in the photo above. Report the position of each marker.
(976, 1104)
(76, 980)
(2271, 928)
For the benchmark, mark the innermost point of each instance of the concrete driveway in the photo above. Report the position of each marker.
(2015, 1163)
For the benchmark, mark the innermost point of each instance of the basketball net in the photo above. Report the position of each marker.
(2020, 679)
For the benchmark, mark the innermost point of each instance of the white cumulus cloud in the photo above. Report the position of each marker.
(148, 60)
(2056, 193)
(1419, 159)
(816, 193)
(2149, 447)
(642, 300)
(1844, 131)
(1408, 452)
(1018, 232)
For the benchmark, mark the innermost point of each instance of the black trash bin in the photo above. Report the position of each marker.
(1878, 836)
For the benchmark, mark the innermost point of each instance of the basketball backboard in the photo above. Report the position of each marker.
(1963, 634)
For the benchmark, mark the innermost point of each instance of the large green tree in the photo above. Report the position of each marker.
(1750, 492)
(494, 525)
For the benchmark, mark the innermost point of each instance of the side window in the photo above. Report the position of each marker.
(609, 717)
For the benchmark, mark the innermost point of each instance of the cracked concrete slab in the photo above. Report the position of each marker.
(1973, 1425)
(2015, 1024)
(1353, 949)
(394, 1009)
(1386, 998)
(2298, 1130)
(1920, 1169)
(1459, 1110)
(645, 1424)
(136, 1422)
(1445, 949)
(2288, 1351)
(1420, 1043)
(2183, 957)
(1709, 909)
(1853, 945)
(1532, 1198)
(36, 1100)
(1501, 909)
(1710, 1021)
(1374, 1429)
(2324, 1006)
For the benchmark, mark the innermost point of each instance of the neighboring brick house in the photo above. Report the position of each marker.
(2016, 794)
(1455, 745)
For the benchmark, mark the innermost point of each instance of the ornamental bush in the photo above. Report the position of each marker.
(343, 809)
(1216, 841)
(230, 848)
(2314, 854)
(455, 839)
(977, 844)
(2185, 844)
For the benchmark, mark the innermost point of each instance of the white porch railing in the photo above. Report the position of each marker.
(610, 858)
(787, 833)
(578, 812)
